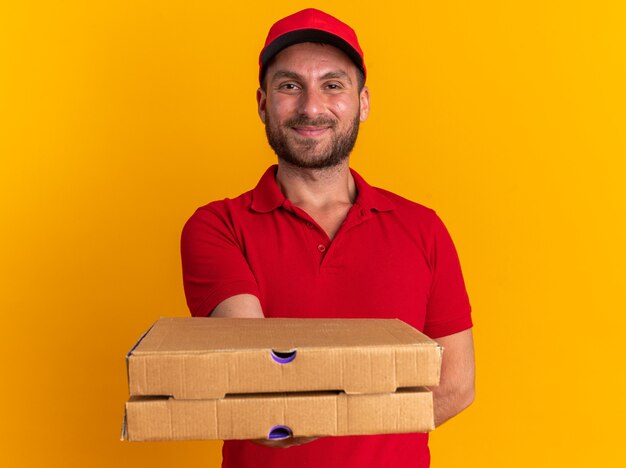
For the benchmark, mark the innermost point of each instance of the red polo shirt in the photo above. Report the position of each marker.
(391, 258)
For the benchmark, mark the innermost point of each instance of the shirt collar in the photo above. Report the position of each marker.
(369, 197)
(266, 196)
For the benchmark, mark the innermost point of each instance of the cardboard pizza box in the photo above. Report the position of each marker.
(208, 358)
(277, 416)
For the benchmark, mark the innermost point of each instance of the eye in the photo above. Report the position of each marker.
(334, 86)
(289, 86)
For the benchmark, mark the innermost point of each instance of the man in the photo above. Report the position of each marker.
(313, 239)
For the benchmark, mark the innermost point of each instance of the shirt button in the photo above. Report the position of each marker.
(321, 248)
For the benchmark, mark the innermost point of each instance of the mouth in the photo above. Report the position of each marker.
(310, 131)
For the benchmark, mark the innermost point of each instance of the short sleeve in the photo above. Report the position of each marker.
(448, 309)
(213, 261)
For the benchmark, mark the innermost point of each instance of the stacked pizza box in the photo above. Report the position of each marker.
(205, 378)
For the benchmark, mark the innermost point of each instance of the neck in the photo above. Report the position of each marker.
(316, 188)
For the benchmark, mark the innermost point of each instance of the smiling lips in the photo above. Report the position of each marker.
(310, 131)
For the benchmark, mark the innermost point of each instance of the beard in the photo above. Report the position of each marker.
(302, 153)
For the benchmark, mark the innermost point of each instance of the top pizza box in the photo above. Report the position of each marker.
(207, 358)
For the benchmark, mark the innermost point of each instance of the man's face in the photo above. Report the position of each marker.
(311, 105)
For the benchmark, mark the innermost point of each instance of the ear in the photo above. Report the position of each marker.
(364, 103)
(261, 100)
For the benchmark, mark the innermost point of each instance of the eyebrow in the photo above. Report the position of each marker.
(336, 74)
(286, 74)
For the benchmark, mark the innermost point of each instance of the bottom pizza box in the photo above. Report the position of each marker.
(277, 416)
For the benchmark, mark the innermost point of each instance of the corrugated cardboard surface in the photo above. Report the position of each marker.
(254, 416)
(206, 358)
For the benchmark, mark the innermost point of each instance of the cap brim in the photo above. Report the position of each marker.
(308, 35)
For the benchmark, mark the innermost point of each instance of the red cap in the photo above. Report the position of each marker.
(310, 25)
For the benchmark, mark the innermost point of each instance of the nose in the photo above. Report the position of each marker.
(311, 103)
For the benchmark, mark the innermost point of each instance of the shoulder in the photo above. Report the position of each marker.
(225, 208)
(417, 220)
(221, 215)
(408, 209)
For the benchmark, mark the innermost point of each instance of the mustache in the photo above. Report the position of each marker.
(303, 121)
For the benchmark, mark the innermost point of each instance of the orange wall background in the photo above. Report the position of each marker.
(118, 119)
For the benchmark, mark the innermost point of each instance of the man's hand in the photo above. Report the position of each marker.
(284, 443)
(456, 388)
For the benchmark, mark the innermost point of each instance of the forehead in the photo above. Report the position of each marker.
(311, 58)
